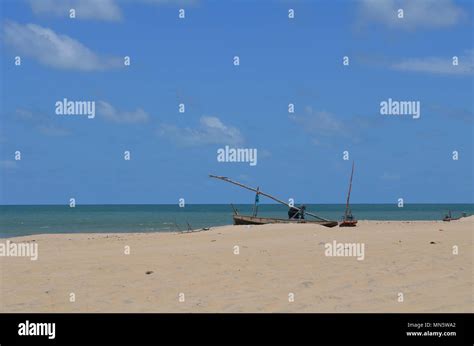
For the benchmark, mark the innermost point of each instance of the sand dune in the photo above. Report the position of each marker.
(275, 263)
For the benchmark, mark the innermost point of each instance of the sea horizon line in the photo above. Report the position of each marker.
(214, 204)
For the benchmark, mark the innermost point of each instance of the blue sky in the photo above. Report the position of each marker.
(190, 61)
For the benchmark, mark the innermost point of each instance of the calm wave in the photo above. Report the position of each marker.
(26, 220)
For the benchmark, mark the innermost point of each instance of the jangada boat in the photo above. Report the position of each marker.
(254, 220)
(295, 214)
(448, 217)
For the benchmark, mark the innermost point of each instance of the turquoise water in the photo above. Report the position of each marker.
(26, 220)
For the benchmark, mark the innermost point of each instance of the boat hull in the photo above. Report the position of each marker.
(346, 223)
(447, 219)
(253, 220)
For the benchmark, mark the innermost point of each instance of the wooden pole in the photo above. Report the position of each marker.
(349, 192)
(264, 194)
(255, 205)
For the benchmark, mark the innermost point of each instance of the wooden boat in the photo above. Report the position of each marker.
(296, 215)
(448, 217)
(254, 220)
(348, 220)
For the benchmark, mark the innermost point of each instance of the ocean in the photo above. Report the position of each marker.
(27, 220)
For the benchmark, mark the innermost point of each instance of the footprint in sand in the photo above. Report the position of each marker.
(307, 284)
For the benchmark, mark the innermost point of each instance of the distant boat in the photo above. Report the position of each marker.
(295, 215)
(348, 219)
(449, 217)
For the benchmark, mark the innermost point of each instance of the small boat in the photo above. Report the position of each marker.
(348, 219)
(448, 217)
(254, 220)
(295, 214)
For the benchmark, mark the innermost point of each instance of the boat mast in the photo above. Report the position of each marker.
(258, 191)
(349, 193)
(255, 205)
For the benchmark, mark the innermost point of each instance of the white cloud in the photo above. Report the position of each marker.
(8, 164)
(210, 131)
(438, 65)
(108, 112)
(320, 123)
(417, 13)
(171, 2)
(42, 122)
(453, 113)
(55, 50)
(107, 10)
(326, 129)
(386, 176)
(24, 114)
(51, 130)
(85, 9)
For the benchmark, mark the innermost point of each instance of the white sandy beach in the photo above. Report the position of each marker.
(414, 258)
